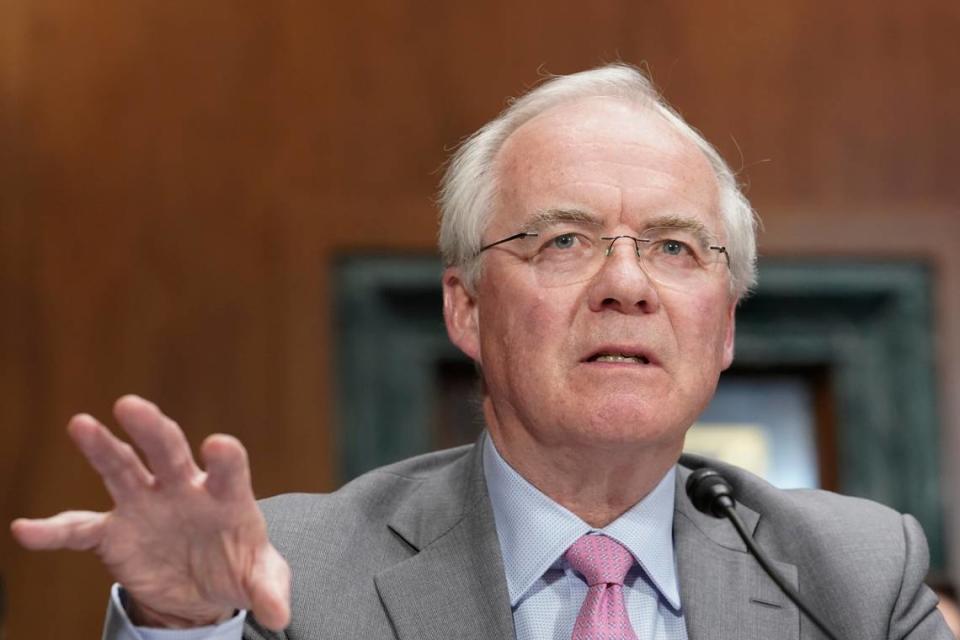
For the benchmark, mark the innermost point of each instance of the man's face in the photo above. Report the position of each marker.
(541, 348)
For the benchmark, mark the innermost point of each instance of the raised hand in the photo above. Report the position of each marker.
(189, 545)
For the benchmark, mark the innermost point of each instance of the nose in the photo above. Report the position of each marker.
(621, 284)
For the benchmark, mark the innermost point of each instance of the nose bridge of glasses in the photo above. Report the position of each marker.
(636, 253)
(613, 241)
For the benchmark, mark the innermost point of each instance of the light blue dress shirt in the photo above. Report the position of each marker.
(545, 592)
(232, 629)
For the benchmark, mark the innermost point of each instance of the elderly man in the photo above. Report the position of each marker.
(596, 249)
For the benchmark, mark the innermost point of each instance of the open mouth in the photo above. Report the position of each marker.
(619, 358)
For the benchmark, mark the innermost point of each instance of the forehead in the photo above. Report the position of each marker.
(620, 162)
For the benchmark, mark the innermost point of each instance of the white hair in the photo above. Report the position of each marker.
(469, 186)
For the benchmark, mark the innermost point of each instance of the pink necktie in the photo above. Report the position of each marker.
(603, 562)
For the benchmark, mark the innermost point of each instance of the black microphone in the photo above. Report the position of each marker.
(711, 494)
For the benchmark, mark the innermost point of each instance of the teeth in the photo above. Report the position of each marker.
(618, 357)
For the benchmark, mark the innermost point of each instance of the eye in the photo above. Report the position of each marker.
(564, 247)
(674, 252)
(675, 247)
(563, 241)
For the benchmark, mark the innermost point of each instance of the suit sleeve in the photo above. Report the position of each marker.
(915, 615)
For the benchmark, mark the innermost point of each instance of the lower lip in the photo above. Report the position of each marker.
(633, 365)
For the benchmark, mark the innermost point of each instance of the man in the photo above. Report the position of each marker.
(596, 248)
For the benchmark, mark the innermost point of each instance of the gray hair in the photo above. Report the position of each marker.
(469, 186)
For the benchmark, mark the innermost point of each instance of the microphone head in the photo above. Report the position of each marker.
(709, 492)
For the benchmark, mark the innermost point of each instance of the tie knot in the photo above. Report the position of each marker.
(600, 559)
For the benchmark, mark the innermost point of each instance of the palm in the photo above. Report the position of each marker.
(189, 546)
(184, 547)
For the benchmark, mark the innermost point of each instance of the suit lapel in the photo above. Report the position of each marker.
(454, 585)
(726, 595)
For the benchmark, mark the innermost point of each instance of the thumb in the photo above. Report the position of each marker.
(77, 530)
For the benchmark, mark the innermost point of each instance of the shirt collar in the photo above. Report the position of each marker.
(534, 531)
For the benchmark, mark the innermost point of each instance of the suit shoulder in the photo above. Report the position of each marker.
(772, 502)
(370, 497)
(814, 523)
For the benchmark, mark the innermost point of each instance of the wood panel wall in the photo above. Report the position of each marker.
(176, 178)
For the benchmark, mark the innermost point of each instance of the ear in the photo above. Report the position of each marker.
(460, 313)
(729, 339)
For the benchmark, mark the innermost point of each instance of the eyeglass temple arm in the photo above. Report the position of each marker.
(516, 236)
(723, 250)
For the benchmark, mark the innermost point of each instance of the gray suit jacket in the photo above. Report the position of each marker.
(410, 551)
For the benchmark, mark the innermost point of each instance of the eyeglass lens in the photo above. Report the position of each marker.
(670, 256)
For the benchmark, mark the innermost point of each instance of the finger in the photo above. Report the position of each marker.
(270, 590)
(117, 463)
(160, 438)
(77, 530)
(227, 466)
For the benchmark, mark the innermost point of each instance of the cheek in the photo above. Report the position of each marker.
(520, 337)
(702, 330)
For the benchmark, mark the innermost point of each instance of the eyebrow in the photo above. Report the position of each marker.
(680, 222)
(547, 217)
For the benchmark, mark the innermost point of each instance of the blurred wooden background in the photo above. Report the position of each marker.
(176, 178)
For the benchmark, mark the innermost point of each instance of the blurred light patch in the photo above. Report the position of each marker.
(765, 424)
(744, 445)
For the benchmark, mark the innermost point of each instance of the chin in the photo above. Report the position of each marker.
(635, 424)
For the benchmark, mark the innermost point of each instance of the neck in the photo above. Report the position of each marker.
(597, 481)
